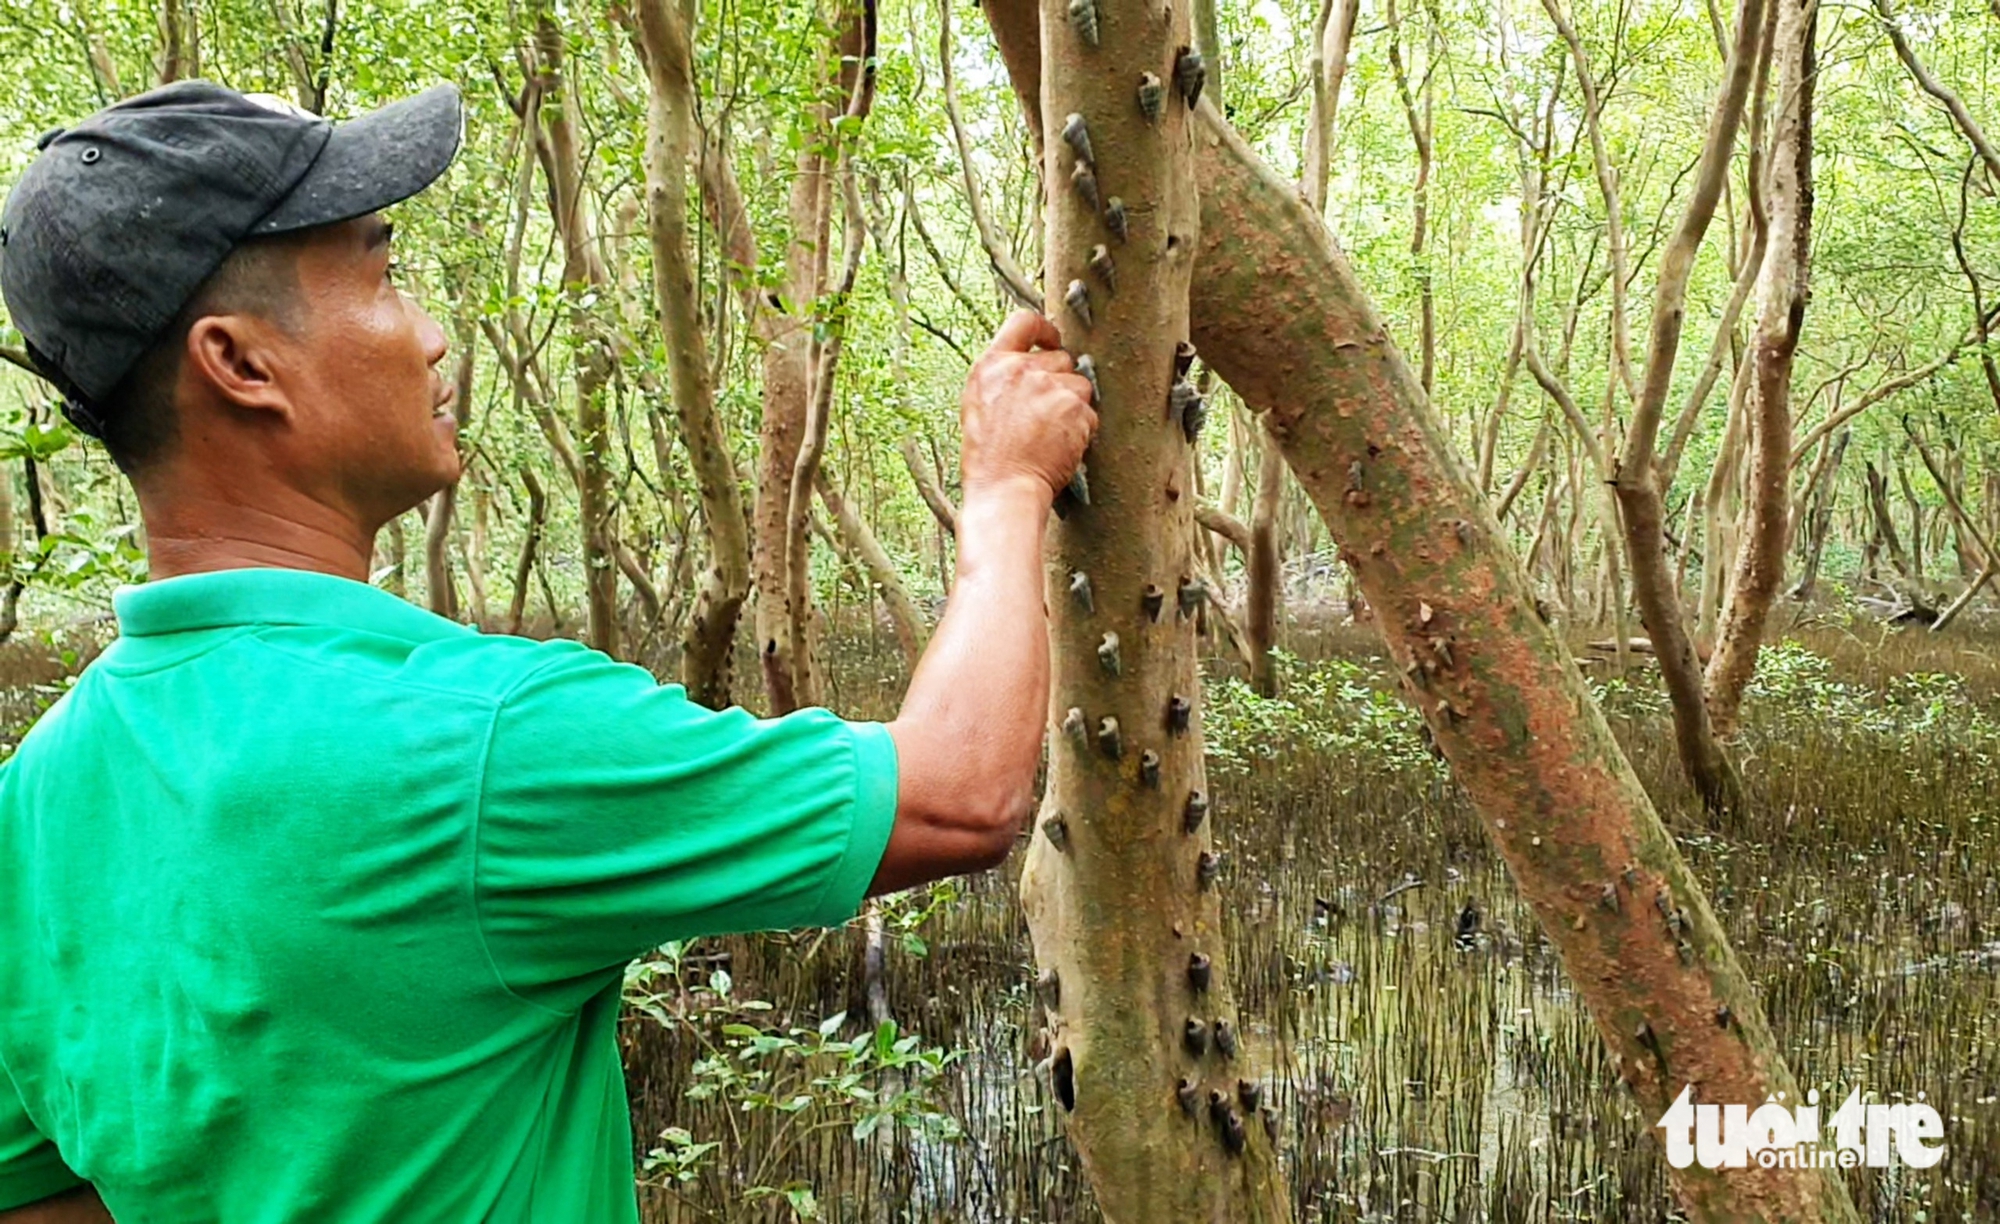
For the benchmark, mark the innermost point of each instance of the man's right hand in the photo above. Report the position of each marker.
(1025, 413)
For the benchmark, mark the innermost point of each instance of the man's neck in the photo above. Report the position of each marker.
(204, 527)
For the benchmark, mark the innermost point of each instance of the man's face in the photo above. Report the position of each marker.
(374, 414)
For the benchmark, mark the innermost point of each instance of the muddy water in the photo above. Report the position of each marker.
(1400, 1008)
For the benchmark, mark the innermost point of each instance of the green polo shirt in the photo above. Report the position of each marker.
(314, 906)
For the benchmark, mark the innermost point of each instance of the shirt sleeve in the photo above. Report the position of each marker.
(30, 1168)
(616, 815)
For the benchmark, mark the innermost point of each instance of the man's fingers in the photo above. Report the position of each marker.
(1077, 384)
(1055, 361)
(1024, 331)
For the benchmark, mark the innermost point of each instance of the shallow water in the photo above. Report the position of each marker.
(1421, 1076)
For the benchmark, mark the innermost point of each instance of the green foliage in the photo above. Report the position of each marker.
(905, 913)
(1796, 688)
(797, 1080)
(1333, 707)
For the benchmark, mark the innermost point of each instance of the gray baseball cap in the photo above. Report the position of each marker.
(121, 218)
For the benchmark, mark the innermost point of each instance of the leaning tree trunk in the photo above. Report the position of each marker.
(1760, 563)
(1278, 310)
(884, 579)
(1120, 885)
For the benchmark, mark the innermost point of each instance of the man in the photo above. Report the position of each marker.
(314, 906)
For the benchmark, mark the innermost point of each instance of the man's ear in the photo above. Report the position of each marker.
(240, 359)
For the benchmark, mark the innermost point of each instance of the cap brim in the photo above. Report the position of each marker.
(374, 161)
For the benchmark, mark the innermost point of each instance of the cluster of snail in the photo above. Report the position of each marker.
(1187, 411)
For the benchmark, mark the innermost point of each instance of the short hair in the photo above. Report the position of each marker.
(139, 417)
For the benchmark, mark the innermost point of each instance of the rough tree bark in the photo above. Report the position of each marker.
(1161, 1095)
(707, 652)
(1277, 309)
(1782, 295)
(1636, 477)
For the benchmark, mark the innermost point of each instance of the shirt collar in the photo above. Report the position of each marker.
(239, 597)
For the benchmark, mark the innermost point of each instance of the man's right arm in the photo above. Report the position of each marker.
(968, 737)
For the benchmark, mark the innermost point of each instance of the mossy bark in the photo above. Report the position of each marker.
(1124, 914)
(1277, 309)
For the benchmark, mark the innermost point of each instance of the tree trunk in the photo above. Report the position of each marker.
(1282, 318)
(1636, 478)
(883, 577)
(1277, 310)
(707, 648)
(1161, 1094)
(584, 275)
(805, 680)
(531, 539)
(10, 600)
(1918, 555)
(1005, 270)
(928, 487)
(1422, 124)
(1721, 505)
(1884, 523)
(1965, 524)
(786, 328)
(1960, 115)
(1819, 519)
(474, 548)
(173, 61)
(1760, 565)
(438, 588)
(1261, 596)
(1334, 36)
